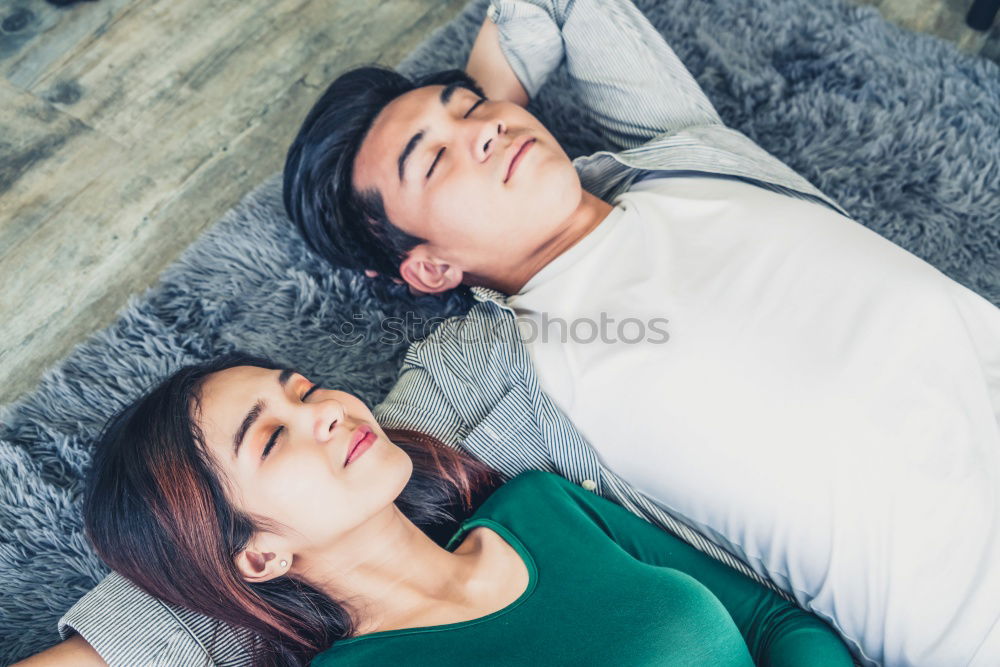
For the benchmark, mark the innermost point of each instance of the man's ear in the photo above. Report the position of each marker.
(257, 565)
(375, 274)
(427, 274)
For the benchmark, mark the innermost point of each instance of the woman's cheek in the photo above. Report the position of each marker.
(309, 505)
(299, 475)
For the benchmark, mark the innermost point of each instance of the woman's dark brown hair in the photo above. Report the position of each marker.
(156, 513)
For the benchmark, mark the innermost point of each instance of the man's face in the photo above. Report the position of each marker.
(454, 190)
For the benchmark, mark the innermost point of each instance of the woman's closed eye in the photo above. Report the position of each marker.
(273, 440)
(441, 151)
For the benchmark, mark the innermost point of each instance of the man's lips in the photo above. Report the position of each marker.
(517, 151)
(361, 440)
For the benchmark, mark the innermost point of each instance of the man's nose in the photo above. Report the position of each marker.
(485, 139)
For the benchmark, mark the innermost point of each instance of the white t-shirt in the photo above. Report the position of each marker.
(814, 397)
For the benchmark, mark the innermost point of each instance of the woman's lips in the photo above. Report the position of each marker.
(517, 158)
(361, 441)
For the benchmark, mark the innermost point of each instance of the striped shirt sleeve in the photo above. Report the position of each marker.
(642, 92)
(129, 627)
(416, 402)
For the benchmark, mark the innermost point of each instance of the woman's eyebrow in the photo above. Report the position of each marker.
(245, 425)
(411, 145)
(248, 421)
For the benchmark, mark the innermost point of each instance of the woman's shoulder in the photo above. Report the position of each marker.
(530, 491)
(535, 481)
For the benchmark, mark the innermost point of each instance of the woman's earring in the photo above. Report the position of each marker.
(284, 563)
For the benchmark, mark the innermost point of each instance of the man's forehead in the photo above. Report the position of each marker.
(396, 118)
(390, 131)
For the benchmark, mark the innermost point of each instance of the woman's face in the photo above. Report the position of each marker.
(282, 444)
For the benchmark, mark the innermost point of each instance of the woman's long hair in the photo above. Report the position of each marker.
(156, 512)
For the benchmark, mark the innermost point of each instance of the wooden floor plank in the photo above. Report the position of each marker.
(45, 35)
(187, 135)
(47, 158)
(941, 18)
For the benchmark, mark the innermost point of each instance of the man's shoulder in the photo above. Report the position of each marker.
(486, 323)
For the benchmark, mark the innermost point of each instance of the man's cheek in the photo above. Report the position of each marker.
(454, 208)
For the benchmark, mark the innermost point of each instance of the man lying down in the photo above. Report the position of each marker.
(756, 373)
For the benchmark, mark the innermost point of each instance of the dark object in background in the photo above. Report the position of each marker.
(982, 13)
(63, 3)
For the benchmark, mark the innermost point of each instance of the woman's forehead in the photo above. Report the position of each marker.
(237, 379)
(224, 401)
(233, 390)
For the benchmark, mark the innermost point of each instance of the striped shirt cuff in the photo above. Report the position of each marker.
(530, 40)
(129, 627)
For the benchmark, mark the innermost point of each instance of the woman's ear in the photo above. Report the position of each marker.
(257, 566)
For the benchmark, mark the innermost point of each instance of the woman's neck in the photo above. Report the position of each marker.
(402, 576)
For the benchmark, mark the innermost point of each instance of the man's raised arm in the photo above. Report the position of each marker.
(488, 66)
(630, 81)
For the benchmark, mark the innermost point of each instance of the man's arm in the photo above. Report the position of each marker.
(417, 403)
(629, 80)
(488, 66)
(74, 651)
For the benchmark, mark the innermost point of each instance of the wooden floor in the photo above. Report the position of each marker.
(128, 126)
(943, 18)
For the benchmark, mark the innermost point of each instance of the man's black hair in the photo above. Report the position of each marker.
(346, 227)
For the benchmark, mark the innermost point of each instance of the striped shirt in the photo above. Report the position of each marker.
(471, 383)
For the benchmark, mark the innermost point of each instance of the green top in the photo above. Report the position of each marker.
(605, 588)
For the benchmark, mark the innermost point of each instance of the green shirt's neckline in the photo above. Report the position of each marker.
(453, 543)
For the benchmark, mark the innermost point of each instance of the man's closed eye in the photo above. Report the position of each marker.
(441, 152)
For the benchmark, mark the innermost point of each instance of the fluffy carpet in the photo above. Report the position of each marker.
(900, 128)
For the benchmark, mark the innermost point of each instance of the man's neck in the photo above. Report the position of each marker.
(588, 216)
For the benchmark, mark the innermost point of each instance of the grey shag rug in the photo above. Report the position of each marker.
(901, 128)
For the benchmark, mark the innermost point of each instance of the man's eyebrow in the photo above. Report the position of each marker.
(445, 97)
(255, 412)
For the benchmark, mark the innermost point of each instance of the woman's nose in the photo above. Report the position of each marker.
(329, 415)
(486, 139)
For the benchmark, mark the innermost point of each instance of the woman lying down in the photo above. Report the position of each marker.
(247, 493)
